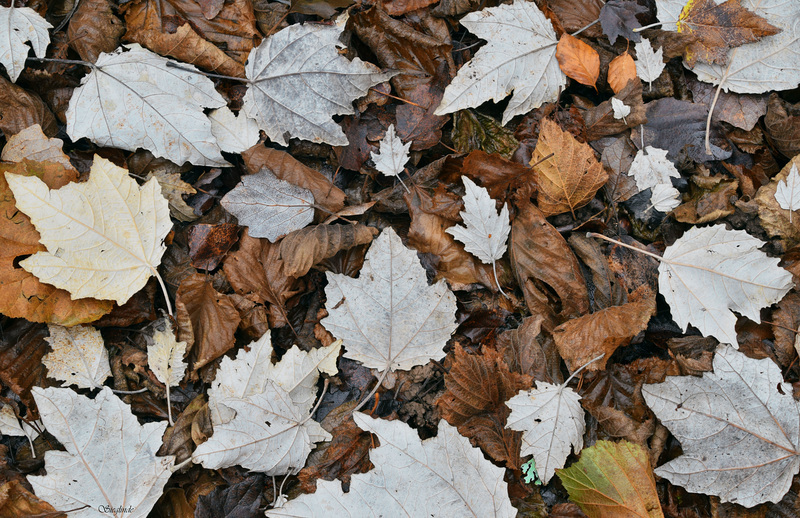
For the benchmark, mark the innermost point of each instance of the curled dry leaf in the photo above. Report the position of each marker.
(302, 249)
(578, 60)
(79, 356)
(174, 188)
(22, 109)
(773, 217)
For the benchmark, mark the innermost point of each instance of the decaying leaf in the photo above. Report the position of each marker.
(711, 272)
(302, 249)
(110, 458)
(773, 217)
(519, 57)
(104, 237)
(441, 476)
(569, 178)
(613, 479)
(578, 60)
(270, 207)
(79, 356)
(19, 25)
(174, 188)
(738, 429)
(390, 318)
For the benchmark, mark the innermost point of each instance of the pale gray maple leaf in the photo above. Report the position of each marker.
(621, 110)
(710, 272)
(389, 317)
(664, 197)
(650, 63)
(269, 206)
(79, 356)
(520, 56)
(110, 459)
(441, 476)
(787, 193)
(131, 99)
(19, 25)
(651, 167)
(739, 429)
(393, 154)
(299, 81)
(234, 134)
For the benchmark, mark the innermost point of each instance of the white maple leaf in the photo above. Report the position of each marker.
(269, 206)
(110, 459)
(299, 81)
(390, 318)
(651, 167)
(787, 193)
(104, 237)
(664, 197)
(234, 134)
(520, 56)
(621, 110)
(710, 272)
(650, 63)
(132, 99)
(19, 25)
(551, 419)
(79, 356)
(393, 154)
(441, 476)
(165, 358)
(486, 232)
(738, 427)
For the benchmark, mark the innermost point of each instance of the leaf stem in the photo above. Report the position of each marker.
(65, 61)
(657, 24)
(127, 392)
(178, 467)
(169, 407)
(164, 291)
(585, 27)
(620, 243)
(500, 288)
(581, 368)
(172, 64)
(373, 391)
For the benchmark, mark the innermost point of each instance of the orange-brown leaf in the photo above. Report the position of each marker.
(346, 455)
(569, 178)
(621, 70)
(578, 60)
(15, 501)
(94, 28)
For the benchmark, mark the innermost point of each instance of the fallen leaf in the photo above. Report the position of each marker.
(613, 479)
(621, 70)
(18, 26)
(302, 249)
(294, 104)
(234, 134)
(621, 110)
(577, 16)
(208, 244)
(743, 402)
(734, 276)
(740, 110)
(788, 192)
(20, 109)
(22, 347)
(110, 458)
(179, 438)
(165, 357)
(664, 197)
(651, 167)
(650, 63)
(390, 318)
(444, 474)
(94, 29)
(773, 217)
(578, 60)
(16, 500)
(97, 247)
(475, 388)
(473, 131)
(174, 188)
(782, 125)
(33, 145)
(347, 454)
(618, 18)
(521, 40)
(400, 7)
(570, 178)
(241, 500)
(79, 356)
(393, 155)
(601, 120)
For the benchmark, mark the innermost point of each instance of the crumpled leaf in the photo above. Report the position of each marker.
(613, 479)
(19, 25)
(104, 236)
(651, 167)
(20, 109)
(302, 249)
(737, 426)
(240, 500)
(133, 100)
(772, 216)
(520, 56)
(650, 63)
(441, 476)
(476, 131)
(551, 419)
(270, 207)
(710, 272)
(208, 244)
(110, 458)
(578, 60)
(79, 356)
(618, 18)
(570, 178)
(393, 154)
(300, 81)
(782, 125)
(390, 318)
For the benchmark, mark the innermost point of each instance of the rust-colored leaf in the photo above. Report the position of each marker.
(401, 7)
(621, 70)
(16, 500)
(178, 438)
(208, 244)
(302, 249)
(22, 346)
(346, 455)
(578, 60)
(94, 28)
(476, 388)
(569, 178)
(504, 179)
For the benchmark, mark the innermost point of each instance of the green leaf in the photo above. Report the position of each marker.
(472, 130)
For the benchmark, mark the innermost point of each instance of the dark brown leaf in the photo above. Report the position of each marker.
(20, 109)
(241, 500)
(178, 439)
(786, 323)
(527, 351)
(302, 249)
(782, 124)
(618, 18)
(740, 110)
(617, 159)
(607, 292)
(577, 15)
(22, 346)
(208, 244)
(505, 180)
(346, 455)
(400, 7)
(475, 131)
(94, 28)
(711, 198)
(600, 121)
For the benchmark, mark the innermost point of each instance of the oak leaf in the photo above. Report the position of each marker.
(570, 178)
(578, 60)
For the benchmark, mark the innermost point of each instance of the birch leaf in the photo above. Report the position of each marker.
(739, 428)
(441, 476)
(485, 233)
(79, 356)
(270, 207)
(520, 56)
(788, 192)
(110, 458)
(621, 110)
(165, 356)
(300, 81)
(390, 318)
(19, 25)
(711, 272)
(234, 134)
(393, 155)
(551, 420)
(650, 63)
(104, 237)
(651, 167)
(133, 100)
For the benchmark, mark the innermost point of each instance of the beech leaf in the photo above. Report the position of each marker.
(104, 237)
(19, 25)
(441, 476)
(110, 458)
(578, 60)
(79, 356)
(738, 427)
(710, 272)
